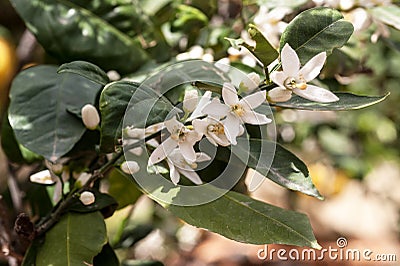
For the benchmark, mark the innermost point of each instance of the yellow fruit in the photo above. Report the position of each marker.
(8, 65)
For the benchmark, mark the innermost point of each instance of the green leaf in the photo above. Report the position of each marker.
(104, 203)
(347, 101)
(122, 189)
(70, 32)
(278, 164)
(14, 151)
(38, 109)
(188, 16)
(30, 255)
(241, 218)
(316, 30)
(263, 50)
(388, 14)
(106, 257)
(87, 70)
(114, 100)
(75, 240)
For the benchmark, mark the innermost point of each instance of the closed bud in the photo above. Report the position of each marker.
(90, 116)
(251, 82)
(82, 179)
(190, 100)
(87, 198)
(43, 177)
(130, 167)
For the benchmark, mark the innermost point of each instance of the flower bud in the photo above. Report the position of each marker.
(82, 179)
(43, 177)
(190, 100)
(130, 167)
(87, 198)
(251, 82)
(90, 116)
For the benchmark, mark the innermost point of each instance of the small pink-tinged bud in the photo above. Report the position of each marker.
(90, 116)
(130, 167)
(87, 198)
(43, 177)
(190, 100)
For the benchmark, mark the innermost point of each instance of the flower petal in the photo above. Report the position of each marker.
(216, 109)
(162, 151)
(200, 125)
(187, 151)
(290, 61)
(279, 94)
(192, 176)
(232, 128)
(229, 94)
(317, 94)
(202, 157)
(204, 100)
(173, 125)
(279, 77)
(173, 173)
(313, 67)
(254, 118)
(256, 99)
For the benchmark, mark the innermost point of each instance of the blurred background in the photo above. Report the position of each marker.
(353, 156)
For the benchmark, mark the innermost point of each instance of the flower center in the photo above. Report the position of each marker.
(238, 109)
(293, 83)
(216, 128)
(179, 134)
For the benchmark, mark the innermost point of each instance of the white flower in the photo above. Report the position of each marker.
(237, 111)
(212, 129)
(130, 167)
(178, 165)
(182, 136)
(43, 177)
(198, 111)
(250, 83)
(294, 79)
(90, 116)
(270, 23)
(190, 100)
(87, 198)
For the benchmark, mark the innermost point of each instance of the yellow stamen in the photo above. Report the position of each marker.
(238, 109)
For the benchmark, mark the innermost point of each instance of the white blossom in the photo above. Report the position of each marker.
(130, 167)
(87, 198)
(212, 129)
(198, 111)
(237, 111)
(90, 116)
(178, 165)
(250, 83)
(182, 136)
(294, 79)
(190, 100)
(43, 177)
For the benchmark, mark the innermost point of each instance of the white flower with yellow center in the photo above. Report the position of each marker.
(293, 79)
(178, 165)
(182, 136)
(212, 129)
(237, 111)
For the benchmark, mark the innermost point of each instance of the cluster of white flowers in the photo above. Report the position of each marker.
(220, 122)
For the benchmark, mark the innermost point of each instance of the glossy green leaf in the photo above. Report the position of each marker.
(70, 32)
(87, 70)
(263, 50)
(286, 169)
(75, 240)
(106, 257)
(122, 188)
(241, 218)
(188, 16)
(316, 30)
(114, 100)
(38, 109)
(388, 14)
(347, 101)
